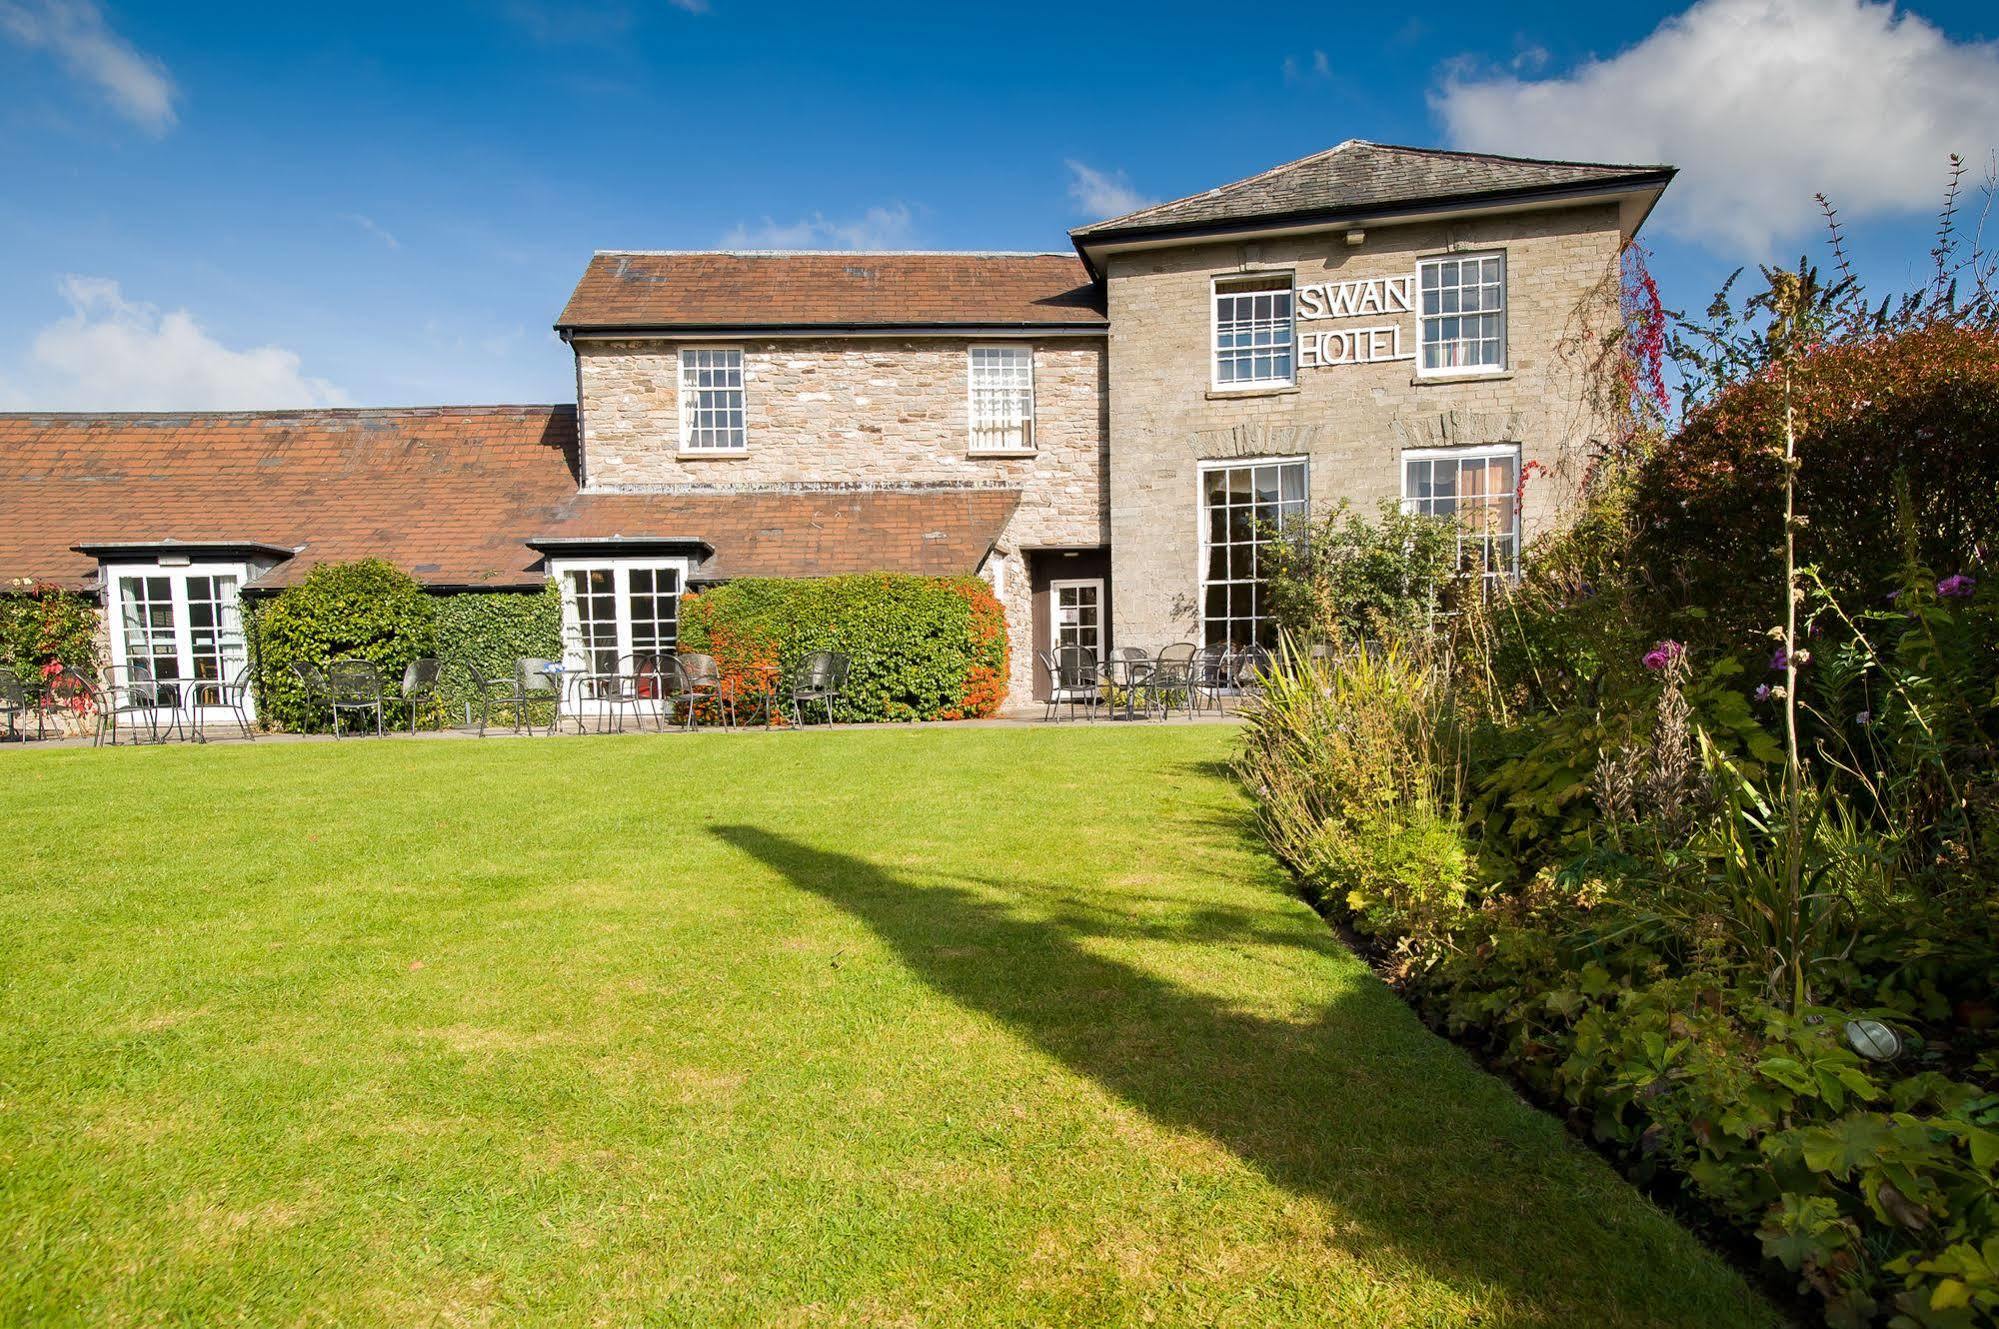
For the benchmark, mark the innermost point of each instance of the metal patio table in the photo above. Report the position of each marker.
(1131, 673)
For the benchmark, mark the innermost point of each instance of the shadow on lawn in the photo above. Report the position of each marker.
(1345, 1107)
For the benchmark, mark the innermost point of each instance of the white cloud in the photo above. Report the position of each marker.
(114, 354)
(1102, 194)
(878, 228)
(1762, 103)
(690, 6)
(75, 31)
(374, 228)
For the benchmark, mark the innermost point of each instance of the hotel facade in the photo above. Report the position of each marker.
(1100, 433)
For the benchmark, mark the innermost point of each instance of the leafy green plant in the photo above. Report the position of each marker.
(920, 648)
(368, 610)
(44, 628)
(489, 631)
(1344, 575)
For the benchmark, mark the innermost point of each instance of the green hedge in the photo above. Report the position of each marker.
(922, 648)
(370, 610)
(489, 631)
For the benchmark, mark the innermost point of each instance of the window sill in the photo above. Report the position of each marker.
(982, 454)
(1231, 394)
(1469, 376)
(710, 454)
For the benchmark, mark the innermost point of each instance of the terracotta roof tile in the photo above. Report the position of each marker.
(664, 290)
(451, 493)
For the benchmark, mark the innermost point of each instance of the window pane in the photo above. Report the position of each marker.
(1254, 331)
(1462, 325)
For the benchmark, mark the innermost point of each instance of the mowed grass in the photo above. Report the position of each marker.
(973, 1026)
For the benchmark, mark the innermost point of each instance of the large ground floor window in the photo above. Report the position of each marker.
(617, 609)
(1242, 505)
(1479, 487)
(177, 628)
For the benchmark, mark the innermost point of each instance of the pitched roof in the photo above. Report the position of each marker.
(453, 494)
(624, 290)
(1358, 176)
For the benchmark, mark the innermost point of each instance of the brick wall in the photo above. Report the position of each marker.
(1352, 421)
(865, 412)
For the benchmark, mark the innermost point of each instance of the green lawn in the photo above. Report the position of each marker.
(963, 1026)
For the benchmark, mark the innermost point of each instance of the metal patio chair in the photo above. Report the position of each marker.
(1074, 680)
(232, 694)
(704, 680)
(423, 681)
(1250, 667)
(312, 682)
(1173, 676)
(537, 682)
(486, 691)
(125, 695)
(673, 686)
(1211, 680)
(819, 680)
(354, 686)
(13, 703)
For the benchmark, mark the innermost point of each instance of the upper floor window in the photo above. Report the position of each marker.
(1002, 403)
(711, 399)
(1479, 489)
(1464, 313)
(1255, 331)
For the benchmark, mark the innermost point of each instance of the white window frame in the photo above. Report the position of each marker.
(1508, 451)
(113, 576)
(1055, 589)
(1504, 311)
(621, 566)
(685, 397)
(1029, 440)
(1218, 287)
(1203, 541)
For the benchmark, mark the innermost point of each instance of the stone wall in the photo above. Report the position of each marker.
(1352, 421)
(869, 412)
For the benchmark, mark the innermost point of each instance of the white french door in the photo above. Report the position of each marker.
(177, 629)
(1076, 616)
(612, 610)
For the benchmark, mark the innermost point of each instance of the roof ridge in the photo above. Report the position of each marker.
(1509, 157)
(1218, 190)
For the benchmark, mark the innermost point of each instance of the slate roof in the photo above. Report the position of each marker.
(623, 290)
(452, 494)
(1358, 176)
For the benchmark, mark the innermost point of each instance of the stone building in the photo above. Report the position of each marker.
(1100, 433)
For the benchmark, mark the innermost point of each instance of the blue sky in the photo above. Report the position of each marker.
(241, 205)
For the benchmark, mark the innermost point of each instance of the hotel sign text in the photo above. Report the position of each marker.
(1373, 296)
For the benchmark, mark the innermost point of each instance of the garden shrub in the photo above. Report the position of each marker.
(921, 648)
(368, 610)
(44, 627)
(489, 631)
(1345, 575)
(1920, 406)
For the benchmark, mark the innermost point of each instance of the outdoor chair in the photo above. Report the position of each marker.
(13, 702)
(704, 681)
(354, 686)
(1210, 679)
(423, 680)
(537, 681)
(1173, 676)
(127, 698)
(312, 682)
(1250, 667)
(487, 690)
(819, 680)
(232, 694)
(672, 686)
(1129, 672)
(1073, 680)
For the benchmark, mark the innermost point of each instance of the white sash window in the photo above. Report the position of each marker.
(1002, 400)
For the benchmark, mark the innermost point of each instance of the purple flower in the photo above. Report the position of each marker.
(1957, 587)
(1864, 719)
(1780, 660)
(1762, 692)
(1663, 654)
